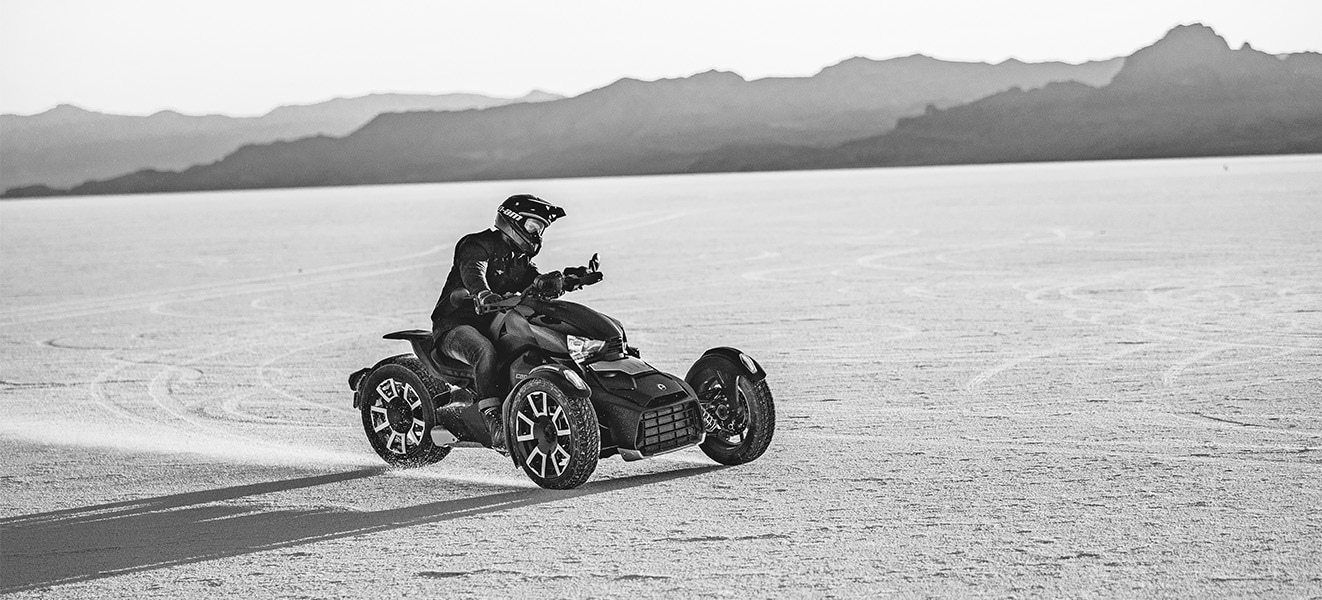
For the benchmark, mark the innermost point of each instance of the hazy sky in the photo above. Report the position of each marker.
(245, 57)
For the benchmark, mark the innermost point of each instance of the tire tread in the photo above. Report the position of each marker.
(761, 409)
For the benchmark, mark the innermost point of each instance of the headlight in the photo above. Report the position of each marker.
(581, 348)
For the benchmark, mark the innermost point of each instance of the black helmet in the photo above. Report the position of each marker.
(523, 217)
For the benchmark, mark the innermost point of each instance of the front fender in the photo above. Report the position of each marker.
(354, 379)
(752, 370)
(564, 377)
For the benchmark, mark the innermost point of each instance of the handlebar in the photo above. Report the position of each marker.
(511, 301)
(575, 278)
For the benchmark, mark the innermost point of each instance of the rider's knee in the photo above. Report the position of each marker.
(470, 344)
(485, 352)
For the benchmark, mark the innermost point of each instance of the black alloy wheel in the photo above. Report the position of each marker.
(397, 401)
(555, 437)
(738, 414)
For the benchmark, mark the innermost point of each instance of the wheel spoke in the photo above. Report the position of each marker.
(558, 418)
(559, 460)
(537, 411)
(732, 390)
(722, 378)
(386, 390)
(411, 397)
(520, 435)
(712, 393)
(415, 432)
(541, 464)
(380, 419)
(396, 436)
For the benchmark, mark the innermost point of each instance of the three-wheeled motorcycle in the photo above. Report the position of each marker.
(578, 392)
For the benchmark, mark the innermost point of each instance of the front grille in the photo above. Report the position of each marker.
(669, 428)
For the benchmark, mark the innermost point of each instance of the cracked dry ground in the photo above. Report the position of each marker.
(1028, 380)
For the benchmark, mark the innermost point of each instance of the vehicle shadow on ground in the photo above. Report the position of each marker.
(88, 543)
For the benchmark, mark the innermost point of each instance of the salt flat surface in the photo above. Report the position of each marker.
(1025, 380)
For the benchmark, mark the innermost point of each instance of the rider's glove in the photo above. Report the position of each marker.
(484, 299)
(550, 285)
(578, 277)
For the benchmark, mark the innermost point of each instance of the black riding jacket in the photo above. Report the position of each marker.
(485, 260)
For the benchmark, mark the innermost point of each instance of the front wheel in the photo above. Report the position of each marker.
(738, 413)
(398, 406)
(553, 436)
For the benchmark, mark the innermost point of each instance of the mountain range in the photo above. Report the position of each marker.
(628, 127)
(67, 145)
(1188, 94)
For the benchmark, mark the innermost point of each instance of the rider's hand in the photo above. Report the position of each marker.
(573, 283)
(579, 277)
(484, 300)
(550, 285)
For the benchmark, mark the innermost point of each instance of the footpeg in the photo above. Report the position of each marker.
(442, 437)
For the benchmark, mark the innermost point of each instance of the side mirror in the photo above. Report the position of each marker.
(594, 264)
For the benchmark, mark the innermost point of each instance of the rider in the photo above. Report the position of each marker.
(487, 266)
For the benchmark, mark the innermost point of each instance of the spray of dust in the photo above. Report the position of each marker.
(170, 441)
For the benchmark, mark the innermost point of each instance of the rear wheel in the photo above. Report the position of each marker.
(737, 413)
(397, 400)
(553, 436)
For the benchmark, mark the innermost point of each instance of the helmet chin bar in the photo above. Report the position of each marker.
(517, 238)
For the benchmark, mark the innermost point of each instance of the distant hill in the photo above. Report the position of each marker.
(1189, 94)
(68, 145)
(628, 127)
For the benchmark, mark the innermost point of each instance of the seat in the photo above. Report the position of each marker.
(411, 335)
(454, 371)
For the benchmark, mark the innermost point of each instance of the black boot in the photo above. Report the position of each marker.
(491, 413)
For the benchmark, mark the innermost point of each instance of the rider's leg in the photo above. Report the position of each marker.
(494, 416)
(465, 343)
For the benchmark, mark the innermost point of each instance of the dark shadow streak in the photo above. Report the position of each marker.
(44, 550)
(128, 507)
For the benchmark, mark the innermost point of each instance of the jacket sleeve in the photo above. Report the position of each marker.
(530, 274)
(473, 259)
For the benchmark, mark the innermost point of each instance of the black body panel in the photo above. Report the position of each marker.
(625, 403)
(642, 411)
(569, 317)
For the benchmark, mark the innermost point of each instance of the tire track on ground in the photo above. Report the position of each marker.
(982, 377)
(1066, 448)
(159, 298)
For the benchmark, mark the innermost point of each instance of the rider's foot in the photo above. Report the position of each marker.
(491, 413)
